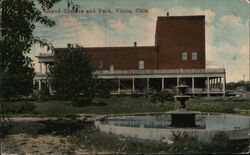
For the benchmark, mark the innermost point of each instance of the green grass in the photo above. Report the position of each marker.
(218, 105)
(114, 105)
(128, 104)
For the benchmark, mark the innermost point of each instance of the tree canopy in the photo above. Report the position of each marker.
(18, 23)
(72, 76)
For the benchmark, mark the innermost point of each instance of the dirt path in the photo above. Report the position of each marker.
(39, 136)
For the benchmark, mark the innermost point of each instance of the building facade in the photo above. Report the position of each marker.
(178, 57)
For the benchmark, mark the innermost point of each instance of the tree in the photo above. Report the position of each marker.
(72, 77)
(18, 23)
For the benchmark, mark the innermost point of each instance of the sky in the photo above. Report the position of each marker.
(227, 27)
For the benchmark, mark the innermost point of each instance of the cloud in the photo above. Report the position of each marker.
(117, 25)
(227, 45)
(86, 35)
(230, 19)
(185, 11)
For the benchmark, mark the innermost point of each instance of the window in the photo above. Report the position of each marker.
(141, 64)
(101, 64)
(111, 67)
(194, 56)
(184, 56)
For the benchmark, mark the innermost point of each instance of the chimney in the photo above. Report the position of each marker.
(135, 44)
(167, 13)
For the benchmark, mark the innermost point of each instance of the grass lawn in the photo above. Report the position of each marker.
(122, 105)
(113, 105)
(125, 105)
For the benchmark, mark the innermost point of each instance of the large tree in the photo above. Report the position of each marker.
(18, 23)
(72, 76)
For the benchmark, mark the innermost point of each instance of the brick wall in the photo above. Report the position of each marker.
(123, 57)
(177, 34)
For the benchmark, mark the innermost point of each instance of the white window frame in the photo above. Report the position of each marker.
(101, 64)
(194, 56)
(184, 56)
(141, 64)
(111, 67)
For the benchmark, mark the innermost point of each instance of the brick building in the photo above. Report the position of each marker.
(178, 57)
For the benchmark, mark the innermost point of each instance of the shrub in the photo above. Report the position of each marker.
(161, 97)
(17, 107)
(221, 143)
(43, 94)
(6, 125)
(184, 142)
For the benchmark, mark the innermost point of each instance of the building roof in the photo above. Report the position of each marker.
(195, 17)
(154, 48)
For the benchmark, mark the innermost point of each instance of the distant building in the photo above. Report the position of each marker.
(178, 57)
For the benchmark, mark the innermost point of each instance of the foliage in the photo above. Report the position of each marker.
(185, 143)
(72, 78)
(235, 85)
(220, 143)
(161, 97)
(18, 23)
(210, 107)
(6, 125)
(104, 87)
(219, 106)
(113, 105)
(90, 138)
(21, 107)
(43, 94)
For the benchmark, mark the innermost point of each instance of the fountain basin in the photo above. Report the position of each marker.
(159, 127)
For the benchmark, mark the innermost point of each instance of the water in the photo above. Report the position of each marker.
(209, 122)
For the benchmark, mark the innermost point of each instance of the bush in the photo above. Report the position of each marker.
(17, 107)
(43, 94)
(221, 143)
(185, 143)
(6, 125)
(161, 97)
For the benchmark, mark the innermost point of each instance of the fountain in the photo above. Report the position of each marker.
(161, 127)
(182, 118)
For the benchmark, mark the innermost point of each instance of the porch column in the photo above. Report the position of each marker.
(220, 84)
(224, 85)
(208, 86)
(162, 84)
(41, 67)
(192, 85)
(178, 81)
(147, 84)
(119, 88)
(217, 84)
(133, 85)
(39, 84)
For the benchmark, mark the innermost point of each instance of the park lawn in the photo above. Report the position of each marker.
(123, 105)
(113, 105)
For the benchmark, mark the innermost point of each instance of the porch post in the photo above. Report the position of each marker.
(178, 81)
(147, 84)
(208, 86)
(133, 85)
(192, 85)
(162, 84)
(39, 84)
(224, 86)
(41, 67)
(119, 88)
